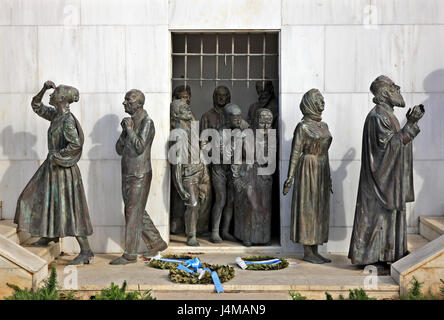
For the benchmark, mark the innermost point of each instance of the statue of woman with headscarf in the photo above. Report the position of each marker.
(310, 170)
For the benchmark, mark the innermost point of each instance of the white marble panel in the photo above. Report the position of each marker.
(345, 116)
(428, 177)
(429, 143)
(338, 240)
(102, 59)
(14, 176)
(46, 12)
(18, 59)
(287, 245)
(102, 182)
(426, 64)
(105, 239)
(225, 14)
(355, 56)
(291, 115)
(409, 11)
(124, 12)
(101, 117)
(345, 176)
(318, 12)
(5, 12)
(58, 55)
(22, 132)
(302, 58)
(158, 108)
(158, 206)
(148, 56)
(285, 201)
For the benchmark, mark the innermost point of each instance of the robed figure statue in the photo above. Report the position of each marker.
(386, 179)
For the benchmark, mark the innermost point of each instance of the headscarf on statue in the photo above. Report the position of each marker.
(308, 106)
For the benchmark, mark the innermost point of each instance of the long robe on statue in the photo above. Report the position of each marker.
(385, 186)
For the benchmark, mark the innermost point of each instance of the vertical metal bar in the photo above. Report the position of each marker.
(201, 60)
(232, 61)
(263, 60)
(248, 61)
(217, 58)
(186, 61)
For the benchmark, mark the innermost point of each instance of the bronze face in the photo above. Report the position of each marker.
(131, 104)
(394, 96)
(265, 120)
(185, 96)
(320, 102)
(222, 96)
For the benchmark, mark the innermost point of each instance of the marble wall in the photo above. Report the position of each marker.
(106, 47)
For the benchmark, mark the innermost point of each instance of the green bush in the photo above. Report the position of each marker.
(296, 296)
(49, 291)
(355, 294)
(116, 293)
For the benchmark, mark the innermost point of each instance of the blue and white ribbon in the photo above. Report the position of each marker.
(195, 264)
(160, 258)
(244, 264)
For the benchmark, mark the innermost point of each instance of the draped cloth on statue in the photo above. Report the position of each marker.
(53, 203)
(385, 185)
(310, 208)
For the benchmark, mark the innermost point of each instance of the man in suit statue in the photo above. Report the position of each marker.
(134, 145)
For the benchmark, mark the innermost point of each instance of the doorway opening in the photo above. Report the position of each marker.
(238, 61)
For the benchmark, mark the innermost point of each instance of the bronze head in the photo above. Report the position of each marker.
(312, 105)
(386, 91)
(265, 89)
(264, 119)
(134, 100)
(233, 115)
(182, 92)
(63, 95)
(221, 96)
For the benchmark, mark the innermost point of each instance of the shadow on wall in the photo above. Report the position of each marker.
(16, 177)
(104, 196)
(338, 176)
(428, 145)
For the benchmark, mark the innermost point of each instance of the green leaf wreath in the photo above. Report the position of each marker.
(225, 274)
(283, 264)
(168, 265)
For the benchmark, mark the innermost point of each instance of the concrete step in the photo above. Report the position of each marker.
(309, 280)
(48, 253)
(431, 227)
(9, 231)
(415, 242)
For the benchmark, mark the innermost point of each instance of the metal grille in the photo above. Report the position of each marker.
(233, 54)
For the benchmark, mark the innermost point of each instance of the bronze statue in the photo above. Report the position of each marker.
(204, 185)
(53, 203)
(386, 179)
(253, 196)
(266, 99)
(187, 175)
(220, 173)
(310, 168)
(134, 145)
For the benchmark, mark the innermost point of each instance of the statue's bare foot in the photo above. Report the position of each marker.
(193, 242)
(215, 238)
(227, 236)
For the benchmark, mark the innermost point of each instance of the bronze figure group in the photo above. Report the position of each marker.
(229, 200)
(242, 197)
